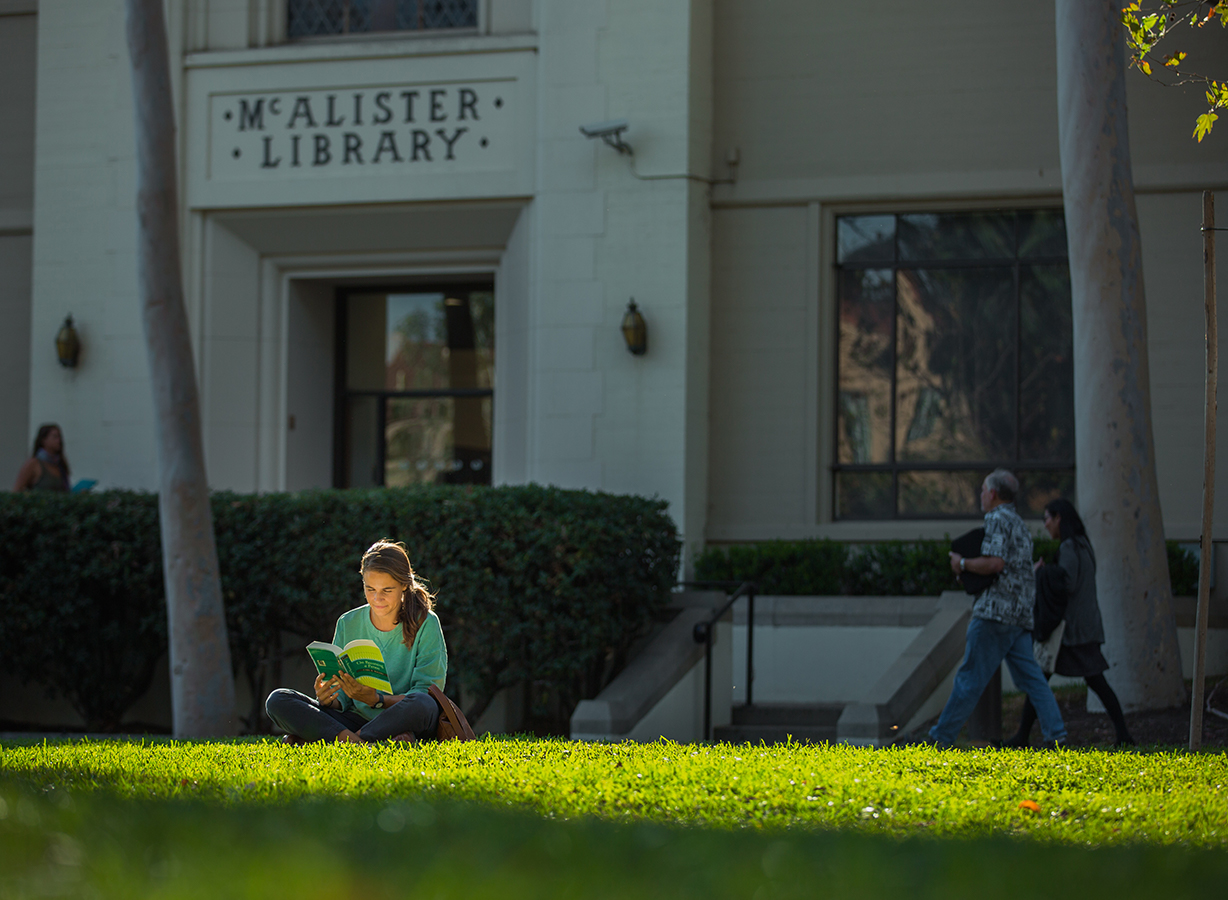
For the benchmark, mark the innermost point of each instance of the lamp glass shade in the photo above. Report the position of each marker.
(67, 344)
(635, 330)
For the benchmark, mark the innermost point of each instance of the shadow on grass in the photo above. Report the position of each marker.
(94, 846)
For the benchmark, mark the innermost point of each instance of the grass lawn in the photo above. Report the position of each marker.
(512, 817)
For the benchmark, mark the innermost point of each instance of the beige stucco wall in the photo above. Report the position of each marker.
(966, 118)
(85, 245)
(18, 38)
(562, 223)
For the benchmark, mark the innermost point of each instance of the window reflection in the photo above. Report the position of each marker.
(419, 385)
(954, 356)
(955, 378)
(866, 360)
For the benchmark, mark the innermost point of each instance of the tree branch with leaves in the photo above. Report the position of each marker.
(1147, 27)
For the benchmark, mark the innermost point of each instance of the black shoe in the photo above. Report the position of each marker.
(1017, 742)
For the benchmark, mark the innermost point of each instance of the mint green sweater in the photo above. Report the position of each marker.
(409, 670)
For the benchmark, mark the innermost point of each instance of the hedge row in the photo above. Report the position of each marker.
(536, 586)
(889, 568)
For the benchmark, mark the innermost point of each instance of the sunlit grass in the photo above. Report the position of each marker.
(514, 818)
(1079, 796)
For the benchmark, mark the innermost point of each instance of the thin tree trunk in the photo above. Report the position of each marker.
(202, 683)
(1115, 454)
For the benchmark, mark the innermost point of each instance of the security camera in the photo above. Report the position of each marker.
(604, 129)
(610, 132)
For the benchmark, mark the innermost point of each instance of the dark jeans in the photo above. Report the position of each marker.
(300, 715)
(1101, 688)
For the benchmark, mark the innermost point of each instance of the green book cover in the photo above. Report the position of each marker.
(361, 658)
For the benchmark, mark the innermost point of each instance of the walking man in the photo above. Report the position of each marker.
(1001, 626)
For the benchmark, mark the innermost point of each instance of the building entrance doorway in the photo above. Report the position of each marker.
(415, 381)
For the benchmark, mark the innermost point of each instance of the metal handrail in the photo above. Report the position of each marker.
(702, 633)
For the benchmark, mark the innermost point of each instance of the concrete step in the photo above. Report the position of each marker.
(775, 723)
(775, 734)
(808, 714)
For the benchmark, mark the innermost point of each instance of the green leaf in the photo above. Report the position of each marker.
(1175, 59)
(1145, 66)
(1203, 128)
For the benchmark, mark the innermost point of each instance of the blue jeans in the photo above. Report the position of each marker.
(988, 643)
(304, 717)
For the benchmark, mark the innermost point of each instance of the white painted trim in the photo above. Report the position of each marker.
(18, 7)
(16, 220)
(347, 47)
(816, 343)
(276, 274)
(1014, 187)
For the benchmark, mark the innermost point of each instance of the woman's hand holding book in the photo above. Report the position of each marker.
(326, 690)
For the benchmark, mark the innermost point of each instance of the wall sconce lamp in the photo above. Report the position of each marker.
(67, 344)
(635, 330)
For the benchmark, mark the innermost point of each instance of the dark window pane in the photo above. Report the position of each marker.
(366, 337)
(934, 236)
(864, 495)
(1042, 232)
(362, 444)
(941, 493)
(437, 440)
(1046, 365)
(865, 239)
(955, 371)
(863, 417)
(1038, 488)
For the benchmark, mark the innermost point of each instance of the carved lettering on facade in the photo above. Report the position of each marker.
(385, 128)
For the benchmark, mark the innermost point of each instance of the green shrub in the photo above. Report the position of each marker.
(535, 585)
(886, 568)
(896, 568)
(778, 567)
(81, 608)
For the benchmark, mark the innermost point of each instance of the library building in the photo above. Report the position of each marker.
(798, 268)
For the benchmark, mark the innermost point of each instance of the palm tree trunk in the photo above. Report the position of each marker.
(202, 682)
(1115, 454)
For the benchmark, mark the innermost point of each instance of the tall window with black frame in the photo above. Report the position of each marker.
(954, 356)
(314, 18)
(415, 391)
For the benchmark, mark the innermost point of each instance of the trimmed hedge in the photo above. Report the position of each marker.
(536, 586)
(888, 568)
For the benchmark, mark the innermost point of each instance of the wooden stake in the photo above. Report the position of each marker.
(1208, 477)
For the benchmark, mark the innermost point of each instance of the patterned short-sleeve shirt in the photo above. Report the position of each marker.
(1009, 599)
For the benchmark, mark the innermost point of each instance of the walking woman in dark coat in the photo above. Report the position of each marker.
(1072, 580)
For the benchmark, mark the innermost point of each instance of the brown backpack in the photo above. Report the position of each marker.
(453, 726)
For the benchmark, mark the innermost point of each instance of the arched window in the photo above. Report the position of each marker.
(313, 18)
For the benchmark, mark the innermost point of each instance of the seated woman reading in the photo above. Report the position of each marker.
(400, 619)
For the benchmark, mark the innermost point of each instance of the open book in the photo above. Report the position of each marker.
(361, 658)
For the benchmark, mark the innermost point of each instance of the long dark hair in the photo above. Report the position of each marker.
(391, 558)
(1069, 524)
(43, 431)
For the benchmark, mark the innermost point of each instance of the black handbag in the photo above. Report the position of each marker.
(969, 546)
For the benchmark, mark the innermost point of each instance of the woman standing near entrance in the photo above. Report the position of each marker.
(47, 467)
(1074, 576)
